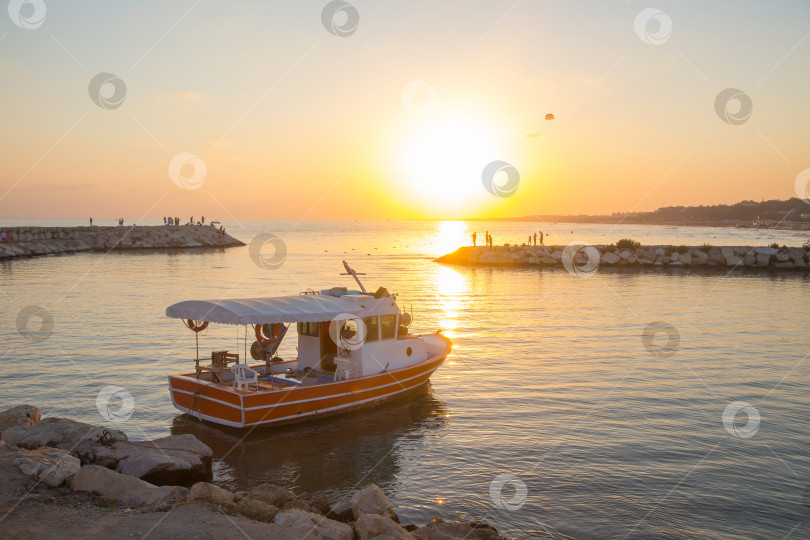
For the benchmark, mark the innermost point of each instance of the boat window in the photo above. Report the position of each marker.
(308, 329)
(388, 324)
(372, 329)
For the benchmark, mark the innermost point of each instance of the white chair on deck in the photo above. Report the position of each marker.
(344, 367)
(243, 376)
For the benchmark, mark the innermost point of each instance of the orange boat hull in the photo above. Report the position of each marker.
(225, 405)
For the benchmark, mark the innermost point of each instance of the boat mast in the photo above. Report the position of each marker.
(354, 274)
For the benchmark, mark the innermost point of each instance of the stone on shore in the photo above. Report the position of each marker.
(371, 500)
(256, 509)
(319, 526)
(437, 529)
(203, 491)
(609, 258)
(173, 460)
(373, 526)
(123, 488)
(21, 415)
(59, 433)
(51, 466)
(272, 494)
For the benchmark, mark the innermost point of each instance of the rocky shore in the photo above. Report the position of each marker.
(581, 258)
(66, 479)
(39, 241)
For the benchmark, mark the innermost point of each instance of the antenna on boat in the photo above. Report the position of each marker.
(350, 272)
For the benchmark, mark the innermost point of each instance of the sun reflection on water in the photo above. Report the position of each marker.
(452, 288)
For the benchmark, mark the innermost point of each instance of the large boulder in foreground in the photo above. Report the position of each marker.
(437, 529)
(371, 526)
(51, 466)
(61, 433)
(317, 525)
(125, 489)
(172, 460)
(21, 415)
(371, 500)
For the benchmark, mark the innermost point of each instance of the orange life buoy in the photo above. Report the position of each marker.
(196, 328)
(274, 334)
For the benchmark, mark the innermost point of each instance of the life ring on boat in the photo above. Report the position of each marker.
(195, 327)
(262, 331)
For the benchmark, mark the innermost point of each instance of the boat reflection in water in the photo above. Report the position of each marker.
(332, 457)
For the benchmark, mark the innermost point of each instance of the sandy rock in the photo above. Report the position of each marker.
(685, 258)
(782, 256)
(370, 526)
(59, 433)
(733, 261)
(795, 254)
(256, 509)
(727, 252)
(21, 415)
(763, 259)
(766, 251)
(625, 255)
(109, 484)
(321, 504)
(319, 526)
(437, 529)
(750, 260)
(51, 466)
(203, 491)
(272, 494)
(610, 258)
(371, 500)
(172, 460)
(675, 256)
(799, 263)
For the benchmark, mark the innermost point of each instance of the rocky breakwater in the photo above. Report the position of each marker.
(581, 258)
(68, 479)
(38, 241)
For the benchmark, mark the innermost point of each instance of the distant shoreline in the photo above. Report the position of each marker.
(788, 226)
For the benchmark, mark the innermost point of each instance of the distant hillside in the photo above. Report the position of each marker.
(792, 213)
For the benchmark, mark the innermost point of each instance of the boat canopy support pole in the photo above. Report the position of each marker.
(354, 274)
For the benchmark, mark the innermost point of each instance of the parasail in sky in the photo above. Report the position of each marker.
(549, 117)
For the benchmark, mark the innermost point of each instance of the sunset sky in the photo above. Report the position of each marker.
(398, 118)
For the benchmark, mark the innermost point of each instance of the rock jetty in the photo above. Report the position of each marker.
(38, 241)
(581, 258)
(62, 478)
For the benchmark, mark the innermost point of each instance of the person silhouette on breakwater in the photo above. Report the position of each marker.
(535, 239)
(474, 236)
(91, 222)
(541, 238)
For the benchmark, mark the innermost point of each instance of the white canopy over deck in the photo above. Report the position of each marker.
(279, 309)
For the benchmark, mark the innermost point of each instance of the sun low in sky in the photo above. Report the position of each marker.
(369, 110)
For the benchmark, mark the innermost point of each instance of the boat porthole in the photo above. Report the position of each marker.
(409, 351)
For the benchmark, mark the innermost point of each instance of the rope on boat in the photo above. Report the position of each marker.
(195, 400)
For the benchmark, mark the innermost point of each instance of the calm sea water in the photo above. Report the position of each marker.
(550, 390)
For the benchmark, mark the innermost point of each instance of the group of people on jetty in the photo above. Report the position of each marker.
(166, 221)
(532, 237)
